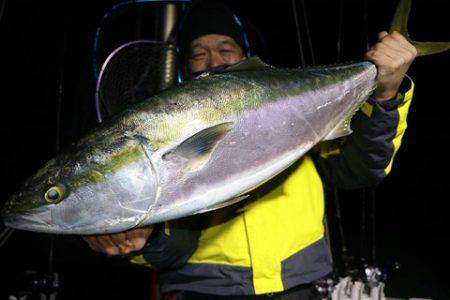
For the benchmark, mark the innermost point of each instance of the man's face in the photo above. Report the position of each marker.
(213, 50)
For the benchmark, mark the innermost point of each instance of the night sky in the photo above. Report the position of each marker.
(46, 57)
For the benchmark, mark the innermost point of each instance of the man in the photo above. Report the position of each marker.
(274, 246)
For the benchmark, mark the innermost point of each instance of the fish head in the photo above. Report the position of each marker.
(87, 190)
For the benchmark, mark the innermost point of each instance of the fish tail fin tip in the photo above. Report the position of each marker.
(399, 24)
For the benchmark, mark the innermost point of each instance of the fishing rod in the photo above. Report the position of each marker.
(47, 284)
(372, 213)
(6, 233)
(2, 10)
(44, 284)
(324, 286)
(340, 24)
(366, 276)
(298, 33)
(53, 277)
(299, 37)
(308, 33)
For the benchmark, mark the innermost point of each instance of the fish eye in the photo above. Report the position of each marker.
(54, 194)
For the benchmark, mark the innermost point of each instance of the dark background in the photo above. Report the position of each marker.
(45, 46)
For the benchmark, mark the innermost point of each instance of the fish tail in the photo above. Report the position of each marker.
(399, 24)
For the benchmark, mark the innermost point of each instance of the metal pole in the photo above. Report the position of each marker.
(169, 21)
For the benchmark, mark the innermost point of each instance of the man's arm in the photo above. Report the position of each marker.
(170, 245)
(167, 245)
(365, 157)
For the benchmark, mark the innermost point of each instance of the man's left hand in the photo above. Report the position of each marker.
(392, 55)
(120, 243)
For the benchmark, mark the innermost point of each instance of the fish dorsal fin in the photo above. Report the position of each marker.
(198, 148)
(253, 63)
(223, 204)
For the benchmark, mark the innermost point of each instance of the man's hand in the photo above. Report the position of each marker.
(120, 243)
(392, 55)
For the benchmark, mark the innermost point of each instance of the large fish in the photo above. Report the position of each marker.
(199, 146)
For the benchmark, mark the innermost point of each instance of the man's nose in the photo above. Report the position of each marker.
(216, 60)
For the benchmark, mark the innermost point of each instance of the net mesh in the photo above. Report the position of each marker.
(132, 73)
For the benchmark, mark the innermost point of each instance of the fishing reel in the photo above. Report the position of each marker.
(366, 283)
(36, 285)
(325, 287)
(349, 288)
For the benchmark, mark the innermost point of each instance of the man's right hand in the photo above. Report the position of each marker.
(120, 243)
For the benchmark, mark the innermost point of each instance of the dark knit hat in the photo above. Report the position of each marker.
(210, 17)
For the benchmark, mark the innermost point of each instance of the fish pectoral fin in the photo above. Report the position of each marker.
(223, 204)
(253, 63)
(198, 148)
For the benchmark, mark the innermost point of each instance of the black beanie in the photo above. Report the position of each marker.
(209, 17)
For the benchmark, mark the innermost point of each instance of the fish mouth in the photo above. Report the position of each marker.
(39, 221)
